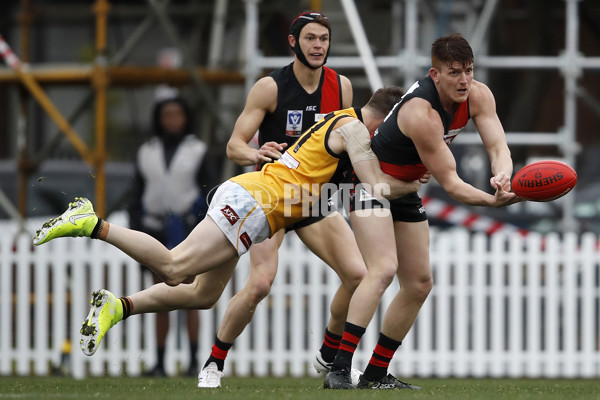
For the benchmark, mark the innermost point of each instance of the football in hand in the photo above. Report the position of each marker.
(544, 180)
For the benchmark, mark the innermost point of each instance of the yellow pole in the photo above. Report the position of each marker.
(44, 101)
(100, 82)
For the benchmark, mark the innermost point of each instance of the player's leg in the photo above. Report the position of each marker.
(332, 240)
(107, 310)
(414, 276)
(193, 330)
(204, 249)
(241, 307)
(374, 232)
(161, 328)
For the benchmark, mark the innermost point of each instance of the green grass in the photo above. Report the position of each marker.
(290, 388)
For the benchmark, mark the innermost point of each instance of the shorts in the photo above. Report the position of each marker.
(321, 214)
(408, 208)
(239, 216)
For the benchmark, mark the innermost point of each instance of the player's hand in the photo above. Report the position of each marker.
(270, 151)
(425, 178)
(505, 198)
(500, 181)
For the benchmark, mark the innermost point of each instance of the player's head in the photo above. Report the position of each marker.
(172, 117)
(452, 67)
(303, 22)
(384, 99)
(451, 48)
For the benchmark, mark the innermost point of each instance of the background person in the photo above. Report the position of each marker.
(173, 175)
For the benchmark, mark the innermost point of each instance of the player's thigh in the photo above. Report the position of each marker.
(374, 232)
(412, 244)
(332, 240)
(264, 257)
(208, 287)
(205, 248)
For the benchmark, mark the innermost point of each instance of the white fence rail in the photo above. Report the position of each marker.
(501, 307)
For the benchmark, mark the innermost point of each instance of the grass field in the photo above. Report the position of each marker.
(290, 388)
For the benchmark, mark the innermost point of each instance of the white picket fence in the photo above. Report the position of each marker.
(501, 307)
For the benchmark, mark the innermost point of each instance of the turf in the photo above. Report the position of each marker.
(290, 388)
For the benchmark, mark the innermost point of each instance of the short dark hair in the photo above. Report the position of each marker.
(450, 48)
(384, 99)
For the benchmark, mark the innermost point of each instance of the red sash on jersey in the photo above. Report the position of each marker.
(331, 91)
(403, 172)
(461, 116)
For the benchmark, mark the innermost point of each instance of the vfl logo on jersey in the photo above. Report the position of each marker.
(245, 239)
(293, 125)
(231, 215)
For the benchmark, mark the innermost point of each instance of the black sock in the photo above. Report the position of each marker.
(97, 229)
(331, 344)
(127, 306)
(160, 358)
(218, 354)
(381, 358)
(193, 354)
(350, 338)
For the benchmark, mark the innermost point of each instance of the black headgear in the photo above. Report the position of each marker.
(298, 23)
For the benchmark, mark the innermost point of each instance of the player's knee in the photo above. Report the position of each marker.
(386, 272)
(259, 288)
(352, 279)
(420, 288)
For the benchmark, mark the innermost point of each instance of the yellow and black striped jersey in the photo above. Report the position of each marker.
(288, 188)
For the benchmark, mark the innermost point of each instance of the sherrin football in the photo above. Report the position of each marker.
(544, 180)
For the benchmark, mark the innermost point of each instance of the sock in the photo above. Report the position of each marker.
(193, 354)
(218, 353)
(100, 231)
(127, 306)
(97, 229)
(349, 343)
(382, 355)
(331, 344)
(160, 358)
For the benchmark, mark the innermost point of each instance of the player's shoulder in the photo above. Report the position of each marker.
(263, 93)
(265, 83)
(479, 91)
(480, 98)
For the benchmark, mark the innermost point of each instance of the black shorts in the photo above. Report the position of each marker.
(319, 214)
(408, 208)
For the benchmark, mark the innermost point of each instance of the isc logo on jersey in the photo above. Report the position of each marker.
(293, 126)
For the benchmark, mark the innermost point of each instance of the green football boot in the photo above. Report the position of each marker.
(106, 311)
(78, 220)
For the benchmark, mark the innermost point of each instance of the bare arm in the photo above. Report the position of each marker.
(353, 137)
(483, 111)
(347, 94)
(261, 99)
(423, 125)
